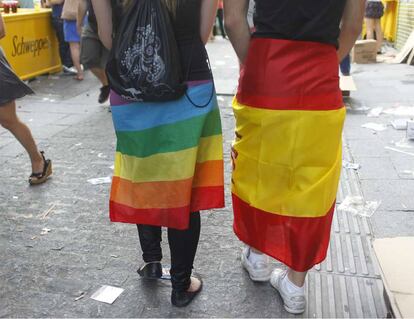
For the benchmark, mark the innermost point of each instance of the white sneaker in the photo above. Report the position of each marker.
(260, 269)
(294, 303)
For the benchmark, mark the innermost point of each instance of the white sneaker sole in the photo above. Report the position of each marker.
(290, 310)
(259, 276)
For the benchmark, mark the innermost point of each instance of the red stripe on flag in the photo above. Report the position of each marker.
(300, 243)
(290, 75)
(169, 217)
(203, 198)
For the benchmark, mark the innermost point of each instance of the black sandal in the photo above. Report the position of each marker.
(184, 298)
(40, 178)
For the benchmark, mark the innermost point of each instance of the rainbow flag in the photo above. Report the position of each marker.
(169, 159)
(289, 120)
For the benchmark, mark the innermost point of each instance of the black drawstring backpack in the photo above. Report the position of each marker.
(144, 63)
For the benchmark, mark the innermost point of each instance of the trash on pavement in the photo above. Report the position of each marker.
(100, 180)
(358, 206)
(45, 231)
(375, 126)
(80, 296)
(57, 248)
(46, 213)
(400, 124)
(107, 294)
(375, 112)
(350, 165)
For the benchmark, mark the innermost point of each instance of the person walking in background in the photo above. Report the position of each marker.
(12, 88)
(169, 160)
(94, 55)
(71, 35)
(57, 22)
(373, 14)
(289, 118)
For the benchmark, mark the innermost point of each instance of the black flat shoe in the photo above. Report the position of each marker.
(184, 298)
(151, 270)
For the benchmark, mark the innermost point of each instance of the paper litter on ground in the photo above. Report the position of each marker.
(358, 206)
(107, 294)
(100, 180)
(375, 112)
(350, 165)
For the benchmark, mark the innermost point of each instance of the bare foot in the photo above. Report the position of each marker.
(195, 285)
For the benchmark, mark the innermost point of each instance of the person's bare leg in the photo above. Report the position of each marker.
(379, 34)
(10, 121)
(297, 278)
(75, 53)
(101, 75)
(370, 26)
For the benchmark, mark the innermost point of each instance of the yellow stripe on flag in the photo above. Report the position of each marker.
(288, 162)
(168, 166)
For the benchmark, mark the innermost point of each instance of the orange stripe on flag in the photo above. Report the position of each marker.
(151, 194)
(209, 174)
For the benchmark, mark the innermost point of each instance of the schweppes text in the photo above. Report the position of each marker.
(22, 46)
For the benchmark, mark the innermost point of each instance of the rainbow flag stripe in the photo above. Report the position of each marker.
(289, 120)
(169, 159)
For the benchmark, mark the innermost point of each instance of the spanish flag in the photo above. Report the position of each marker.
(169, 159)
(289, 120)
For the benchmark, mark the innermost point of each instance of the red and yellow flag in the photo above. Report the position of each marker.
(290, 116)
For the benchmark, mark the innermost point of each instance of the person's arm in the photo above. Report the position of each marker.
(82, 9)
(2, 28)
(237, 27)
(50, 3)
(103, 13)
(351, 26)
(208, 15)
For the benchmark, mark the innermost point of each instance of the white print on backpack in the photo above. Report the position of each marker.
(141, 61)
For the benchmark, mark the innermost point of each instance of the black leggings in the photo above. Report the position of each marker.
(183, 247)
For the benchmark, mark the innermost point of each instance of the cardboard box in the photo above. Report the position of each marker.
(365, 51)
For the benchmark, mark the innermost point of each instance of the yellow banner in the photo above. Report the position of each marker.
(30, 45)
